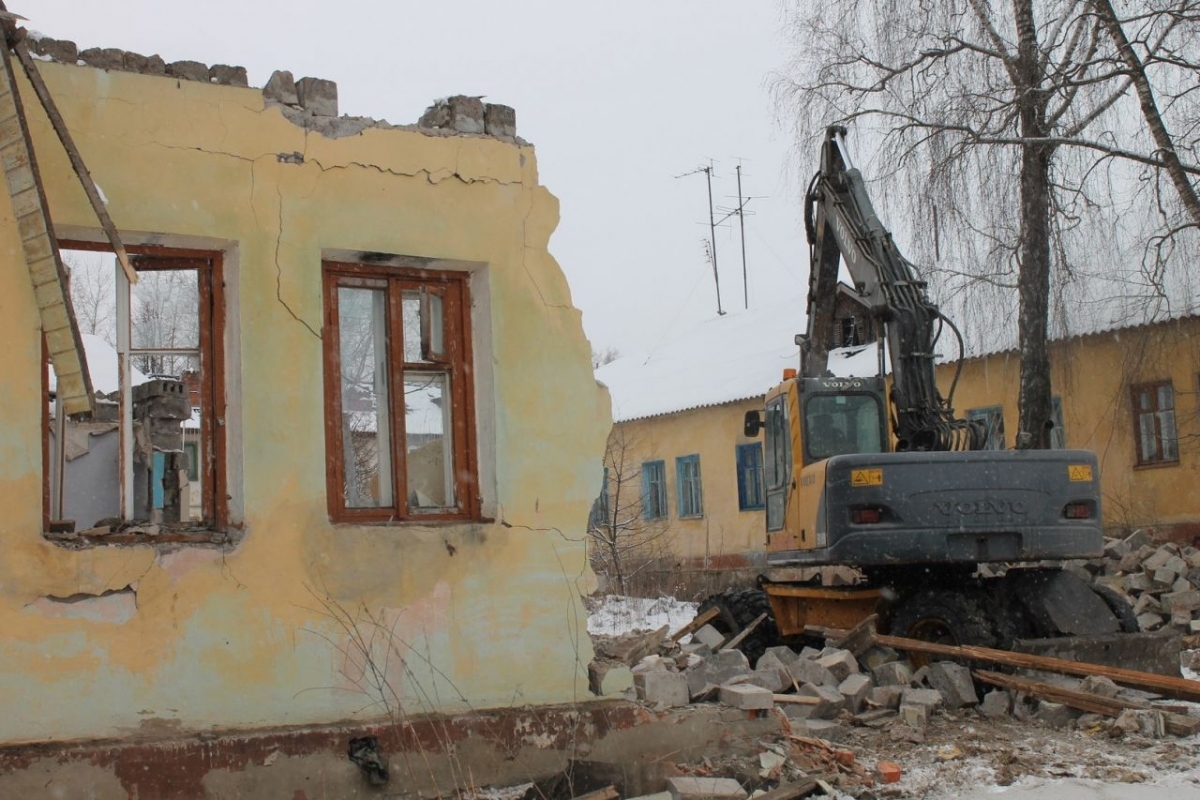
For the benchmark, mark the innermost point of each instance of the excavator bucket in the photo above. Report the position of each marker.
(1146, 652)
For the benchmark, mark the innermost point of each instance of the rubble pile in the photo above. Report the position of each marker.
(1160, 581)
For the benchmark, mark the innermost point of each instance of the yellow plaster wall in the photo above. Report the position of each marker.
(724, 535)
(273, 631)
(1093, 375)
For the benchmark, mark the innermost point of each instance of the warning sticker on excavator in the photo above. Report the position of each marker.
(1079, 472)
(866, 477)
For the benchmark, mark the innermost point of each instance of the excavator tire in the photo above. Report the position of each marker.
(944, 616)
(737, 609)
(1120, 608)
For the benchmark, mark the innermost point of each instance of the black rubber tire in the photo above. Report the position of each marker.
(737, 609)
(1120, 608)
(945, 616)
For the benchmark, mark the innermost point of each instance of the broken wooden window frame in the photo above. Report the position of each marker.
(1154, 424)
(450, 358)
(209, 269)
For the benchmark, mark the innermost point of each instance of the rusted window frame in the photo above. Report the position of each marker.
(454, 287)
(210, 280)
(1152, 387)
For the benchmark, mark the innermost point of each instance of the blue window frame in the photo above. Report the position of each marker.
(750, 476)
(687, 475)
(654, 490)
(598, 519)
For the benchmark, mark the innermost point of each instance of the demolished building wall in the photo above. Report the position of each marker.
(301, 620)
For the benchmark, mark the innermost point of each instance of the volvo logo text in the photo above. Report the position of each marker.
(982, 507)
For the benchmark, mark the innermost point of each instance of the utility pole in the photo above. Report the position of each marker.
(742, 227)
(711, 249)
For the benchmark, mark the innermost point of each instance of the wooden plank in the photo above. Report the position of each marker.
(81, 170)
(741, 637)
(797, 699)
(1177, 724)
(1178, 688)
(607, 793)
(860, 638)
(696, 624)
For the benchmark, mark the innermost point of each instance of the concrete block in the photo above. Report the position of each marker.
(1177, 565)
(885, 696)
(747, 696)
(463, 114)
(805, 671)
(893, 673)
(1164, 576)
(1099, 685)
(1138, 582)
(920, 676)
(773, 679)
(1181, 619)
(876, 656)
(1147, 603)
(854, 688)
(144, 65)
(996, 704)
(786, 655)
(499, 120)
(1180, 601)
(188, 71)
(1150, 621)
(954, 683)
(667, 688)
(708, 635)
(831, 703)
(607, 678)
(1138, 539)
(926, 698)
(825, 729)
(61, 50)
(281, 88)
(841, 663)
(1156, 559)
(226, 75)
(1116, 548)
(1056, 715)
(914, 716)
(1182, 584)
(719, 668)
(652, 663)
(690, 788)
(318, 96)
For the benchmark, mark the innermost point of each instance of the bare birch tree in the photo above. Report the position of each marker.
(1013, 129)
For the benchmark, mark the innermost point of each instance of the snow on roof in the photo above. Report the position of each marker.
(102, 366)
(733, 357)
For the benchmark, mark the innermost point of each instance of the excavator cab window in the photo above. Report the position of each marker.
(837, 424)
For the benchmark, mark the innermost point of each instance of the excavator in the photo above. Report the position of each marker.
(947, 541)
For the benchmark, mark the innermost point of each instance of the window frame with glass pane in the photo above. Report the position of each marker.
(1154, 423)
(654, 490)
(203, 349)
(689, 487)
(993, 419)
(380, 467)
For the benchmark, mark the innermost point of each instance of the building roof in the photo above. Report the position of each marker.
(738, 356)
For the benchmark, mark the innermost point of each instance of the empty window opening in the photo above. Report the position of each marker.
(148, 454)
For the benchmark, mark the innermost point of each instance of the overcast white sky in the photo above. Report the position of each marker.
(618, 97)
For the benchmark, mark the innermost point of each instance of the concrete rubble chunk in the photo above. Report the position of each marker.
(831, 702)
(1099, 685)
(928, 698)
(841, 663)
(227, 75)
(876, 656)
(1147, 603)
(708, 635)
(773, 679)
(785, 654)
(1116, 548)
(855, 688)
(318, 96)
(665, 688)
(1157, 559)
(1176, 565)
(103, 57)
(188, 71)
(914, 716)
(691, 788)
(281, 88)
(996, 704)
(805, 671)
(144, 65)
(1149, 621)
(466, 114)
(1138, 539)
(885, 697)
(606, 678)
(499, 120)
(1180, 601)
(651, 663)
(1138, 582)
(954, 683)
(893, 673)
(747, 696)
(718, 669)
(826, 729)
(63, 51)
(1056, 715)
(1165, 576)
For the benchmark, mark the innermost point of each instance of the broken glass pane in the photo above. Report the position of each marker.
(423, 330)
(366, 433)
(164, 310)
(428, 441)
